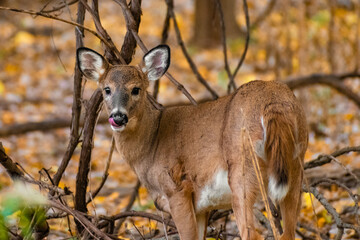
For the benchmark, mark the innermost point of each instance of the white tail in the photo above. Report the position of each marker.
(189, 158)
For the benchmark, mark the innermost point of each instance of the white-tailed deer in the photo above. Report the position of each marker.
(189, 157)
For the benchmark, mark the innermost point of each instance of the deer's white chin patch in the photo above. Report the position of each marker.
(117, 129)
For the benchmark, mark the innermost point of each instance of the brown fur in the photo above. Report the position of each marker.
(177, 152)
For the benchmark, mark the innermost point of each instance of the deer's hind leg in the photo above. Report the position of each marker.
(202, 222)
(290, 207)
(244, 187)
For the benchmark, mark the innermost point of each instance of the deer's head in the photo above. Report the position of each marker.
(124, 87)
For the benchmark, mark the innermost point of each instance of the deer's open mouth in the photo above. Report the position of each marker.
(115, 126)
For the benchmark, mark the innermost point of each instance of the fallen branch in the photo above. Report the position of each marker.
(134, 194)
(324, 159)
(47, 125)
(331, 210)
(88, 226)
(134, 214)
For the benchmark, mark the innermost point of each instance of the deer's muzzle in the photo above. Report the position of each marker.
(118, 120)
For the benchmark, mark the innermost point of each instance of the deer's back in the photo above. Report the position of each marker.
(194, 138)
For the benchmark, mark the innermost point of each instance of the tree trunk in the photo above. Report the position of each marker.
(207, 31)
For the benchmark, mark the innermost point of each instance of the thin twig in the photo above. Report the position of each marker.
(65, 4)
(106, 172)
(331, 210)
(185, 52)
(45, 15)
(129, 17)
(223, 41)
(262, 16)
(164, 37)
(247, 18)
(131, 202)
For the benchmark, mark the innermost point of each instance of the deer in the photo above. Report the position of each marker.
(190, 157)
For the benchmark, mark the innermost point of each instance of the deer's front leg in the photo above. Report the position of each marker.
(183, 214)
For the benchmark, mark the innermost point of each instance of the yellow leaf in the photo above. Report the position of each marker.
(351, 18)
(261, 54)
(99, 199)
(348, 116)
(62, 185)
(24, 38)
(11, 69)
(2, 88)
(307, 200)
(7, 150)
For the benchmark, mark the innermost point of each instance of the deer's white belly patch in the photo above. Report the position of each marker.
(217, 194)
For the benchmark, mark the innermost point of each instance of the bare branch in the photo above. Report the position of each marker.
(129, 44)
(185, 52)
(92, 112)
(9, 165)
(76, 107)
(331, 210)
(262, 16)
(112, 54)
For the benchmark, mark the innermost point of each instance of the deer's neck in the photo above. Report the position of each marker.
(135, 144)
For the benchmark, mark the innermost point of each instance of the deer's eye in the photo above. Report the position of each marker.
(135, 91)
(107, 90)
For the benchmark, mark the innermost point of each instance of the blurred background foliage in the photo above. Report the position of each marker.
(295, 38)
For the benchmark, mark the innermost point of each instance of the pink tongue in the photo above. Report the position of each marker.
(112, 122)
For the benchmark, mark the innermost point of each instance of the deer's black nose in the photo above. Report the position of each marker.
(119, 118)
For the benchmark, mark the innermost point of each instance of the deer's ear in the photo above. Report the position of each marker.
(156, 62)
(91, 63)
